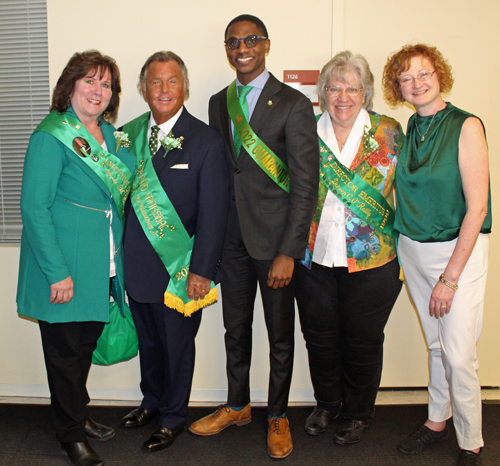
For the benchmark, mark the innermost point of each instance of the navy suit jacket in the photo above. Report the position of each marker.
(200, 195)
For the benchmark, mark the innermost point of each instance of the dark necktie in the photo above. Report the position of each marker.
(153, 140)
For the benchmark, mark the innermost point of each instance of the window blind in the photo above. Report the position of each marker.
(24, 99)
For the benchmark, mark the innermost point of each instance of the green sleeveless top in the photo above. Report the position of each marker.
(429, 191)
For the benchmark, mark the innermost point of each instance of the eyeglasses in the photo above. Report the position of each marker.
(422, 77)
(334, 91)
(251, 41)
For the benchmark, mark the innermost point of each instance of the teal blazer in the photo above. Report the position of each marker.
(65, 210)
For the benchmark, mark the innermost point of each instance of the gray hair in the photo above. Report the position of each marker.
(337, 68)
(163, 56)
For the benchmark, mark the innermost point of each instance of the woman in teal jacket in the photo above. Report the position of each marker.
(75, 182)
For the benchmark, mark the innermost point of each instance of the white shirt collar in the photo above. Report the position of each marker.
(259, 82)
(327, 134)
(166, 127)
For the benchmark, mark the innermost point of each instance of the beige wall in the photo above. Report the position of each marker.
(303, 36)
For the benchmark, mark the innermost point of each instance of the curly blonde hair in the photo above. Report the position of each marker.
(401, 61)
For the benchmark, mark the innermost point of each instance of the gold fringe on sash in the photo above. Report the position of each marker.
(192, 306)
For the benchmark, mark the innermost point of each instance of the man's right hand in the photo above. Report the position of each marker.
(280, 272)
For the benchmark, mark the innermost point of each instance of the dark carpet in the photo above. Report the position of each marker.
(27, 439)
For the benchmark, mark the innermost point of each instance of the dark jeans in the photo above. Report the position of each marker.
(343, 316)
(68, 348)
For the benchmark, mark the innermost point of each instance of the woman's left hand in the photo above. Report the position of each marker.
(441, 299)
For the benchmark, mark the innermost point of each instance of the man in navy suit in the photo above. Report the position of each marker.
(190, 166)
(268, 222)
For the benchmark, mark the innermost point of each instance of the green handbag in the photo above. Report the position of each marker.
(118, 341)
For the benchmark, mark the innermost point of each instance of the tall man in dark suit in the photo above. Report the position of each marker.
(270, 214)
(173, 241)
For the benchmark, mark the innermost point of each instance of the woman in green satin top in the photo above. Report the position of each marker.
(443, 216)
(71, 243)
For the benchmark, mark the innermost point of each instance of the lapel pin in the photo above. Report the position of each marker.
(269, 102)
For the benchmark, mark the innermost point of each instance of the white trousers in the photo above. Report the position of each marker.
(454, 387)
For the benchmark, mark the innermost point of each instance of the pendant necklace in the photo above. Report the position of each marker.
(422, 136)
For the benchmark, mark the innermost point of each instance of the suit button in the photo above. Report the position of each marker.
(352, 239)
(234, 198)
(237, 170)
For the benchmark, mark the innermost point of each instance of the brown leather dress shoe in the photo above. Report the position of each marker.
(137, 418)
(279, 438)
(223, 417)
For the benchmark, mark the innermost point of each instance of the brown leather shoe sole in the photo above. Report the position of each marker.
(279, 457)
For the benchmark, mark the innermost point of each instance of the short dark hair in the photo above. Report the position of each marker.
(250, 19)
(79, 66)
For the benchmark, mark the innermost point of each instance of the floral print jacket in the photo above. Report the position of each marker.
(375, 162)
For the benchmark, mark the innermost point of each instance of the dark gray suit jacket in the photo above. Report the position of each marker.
(273, 221)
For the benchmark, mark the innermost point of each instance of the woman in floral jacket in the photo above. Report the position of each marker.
(349, 281)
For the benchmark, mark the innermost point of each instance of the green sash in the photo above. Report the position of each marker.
(109, 168)
(362, 198)
(263, 156)
(161, 223)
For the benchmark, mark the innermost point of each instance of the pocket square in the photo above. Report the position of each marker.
(181, 166)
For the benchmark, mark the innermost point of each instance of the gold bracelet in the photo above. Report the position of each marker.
(448, 283)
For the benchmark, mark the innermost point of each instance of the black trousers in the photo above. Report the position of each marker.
(67, 349)
(241, 275)
(343, 316)
(167, 355)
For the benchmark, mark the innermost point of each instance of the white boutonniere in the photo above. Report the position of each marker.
(122, 140)
(169, 142)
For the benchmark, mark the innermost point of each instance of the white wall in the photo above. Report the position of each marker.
(303, 36)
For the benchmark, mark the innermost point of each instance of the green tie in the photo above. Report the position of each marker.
(153, 140)
(242, 97)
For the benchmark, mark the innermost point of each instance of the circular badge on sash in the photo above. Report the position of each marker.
(81, 147)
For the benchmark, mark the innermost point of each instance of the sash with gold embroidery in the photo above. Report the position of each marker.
(161, 223)
(109, 168)
(264, 157)
(359, 196)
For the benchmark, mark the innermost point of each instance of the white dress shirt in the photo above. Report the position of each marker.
(165, 128)
(330, 248)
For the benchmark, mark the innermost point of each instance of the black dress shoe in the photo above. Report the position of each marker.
(350, 431)
(137, 418)
(81, 453)
(161, 438)
(96, 431)
(319, 419)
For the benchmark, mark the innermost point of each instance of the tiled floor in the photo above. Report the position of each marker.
(385, 397)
